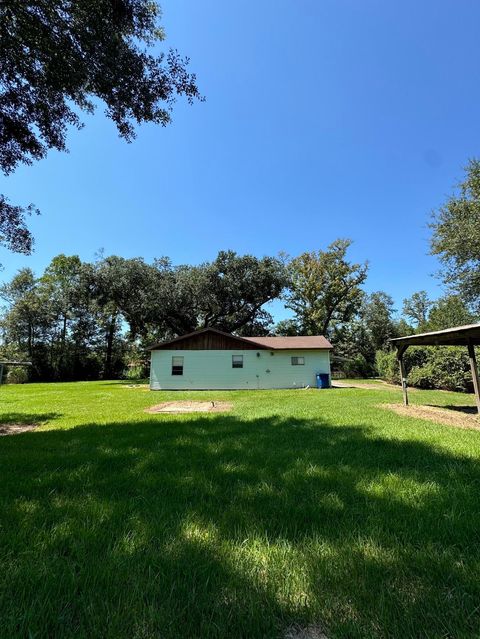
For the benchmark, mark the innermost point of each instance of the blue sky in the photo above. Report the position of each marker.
(323, 119)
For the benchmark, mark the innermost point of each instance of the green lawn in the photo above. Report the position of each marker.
(297, 507)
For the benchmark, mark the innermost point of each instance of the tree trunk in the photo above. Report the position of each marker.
(109, 352)
(30, 340)
(64, 332)
(63, 354)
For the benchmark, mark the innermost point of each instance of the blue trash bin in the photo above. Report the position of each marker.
(323, 380)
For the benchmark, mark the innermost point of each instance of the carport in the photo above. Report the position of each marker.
(468, 336)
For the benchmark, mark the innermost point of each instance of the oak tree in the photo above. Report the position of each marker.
(416, 308)
(324, 288)
(456, 237)
(60, 58)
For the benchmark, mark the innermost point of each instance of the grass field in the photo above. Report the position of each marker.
(298, 507)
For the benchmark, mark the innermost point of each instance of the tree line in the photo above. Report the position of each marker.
(89, 320)
(82, 320)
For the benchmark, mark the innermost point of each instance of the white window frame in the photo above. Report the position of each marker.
(297, 360)
(177, 373)
(239, 359)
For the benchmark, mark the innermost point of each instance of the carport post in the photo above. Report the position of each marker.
(403, 376)
(474, 369)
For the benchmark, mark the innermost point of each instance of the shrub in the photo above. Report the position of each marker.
(387, 366)
(422, 377)
(443, 367)
(17, 375)
(450, 368)
(135, 372)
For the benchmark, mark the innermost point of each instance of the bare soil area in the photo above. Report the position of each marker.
(368, 386)
(146, 386)
(16, 429)
(190, 407)
(448, 416)
(307, 632)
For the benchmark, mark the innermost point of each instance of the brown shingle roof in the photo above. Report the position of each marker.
(302, 341)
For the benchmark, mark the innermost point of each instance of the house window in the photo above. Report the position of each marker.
(298, 361)
(237, 361)
(177, 365)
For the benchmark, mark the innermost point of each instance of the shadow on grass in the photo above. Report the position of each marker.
(468, 409)
(221, 527)
(27, 418)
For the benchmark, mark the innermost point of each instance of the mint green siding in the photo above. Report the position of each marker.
(212, 369)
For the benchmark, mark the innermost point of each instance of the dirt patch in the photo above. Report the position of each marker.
(367, 386)
(16, 429)
(307, 632)
(190, 407)
(449, 417)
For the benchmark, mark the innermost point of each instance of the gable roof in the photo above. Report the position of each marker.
(270, 343)
(240, 342)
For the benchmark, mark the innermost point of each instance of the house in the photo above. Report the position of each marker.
(211, 359)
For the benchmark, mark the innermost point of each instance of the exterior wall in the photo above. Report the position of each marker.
(212, 369)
